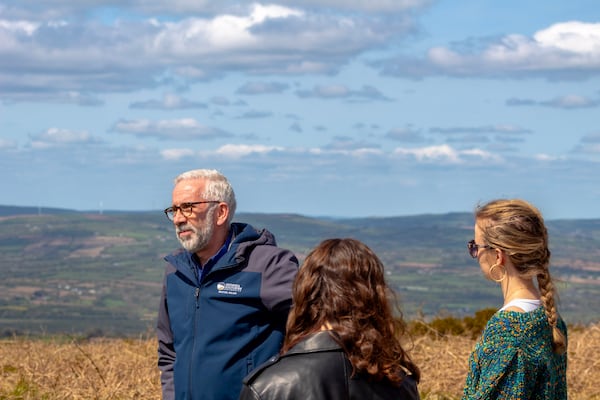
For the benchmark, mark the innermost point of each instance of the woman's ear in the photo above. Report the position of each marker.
(500, 257)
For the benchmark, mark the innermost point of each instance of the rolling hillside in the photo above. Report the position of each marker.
(100, 274)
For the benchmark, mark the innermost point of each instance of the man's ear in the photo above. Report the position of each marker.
(222, 213)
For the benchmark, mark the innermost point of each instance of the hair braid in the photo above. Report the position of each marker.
(547, 296)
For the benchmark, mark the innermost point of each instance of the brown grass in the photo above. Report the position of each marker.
(126, 369)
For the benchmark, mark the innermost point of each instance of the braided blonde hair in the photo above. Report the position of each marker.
(517, 227)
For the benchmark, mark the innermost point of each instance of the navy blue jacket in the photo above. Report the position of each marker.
(212, 334)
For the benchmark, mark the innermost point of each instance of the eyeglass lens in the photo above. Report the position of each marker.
(186, 210)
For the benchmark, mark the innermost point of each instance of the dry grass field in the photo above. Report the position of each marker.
(126, 369)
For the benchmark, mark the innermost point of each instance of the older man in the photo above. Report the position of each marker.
(226, 294)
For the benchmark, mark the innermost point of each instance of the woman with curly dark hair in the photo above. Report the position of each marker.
(342, 340)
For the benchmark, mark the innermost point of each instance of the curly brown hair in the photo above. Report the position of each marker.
(341, 285)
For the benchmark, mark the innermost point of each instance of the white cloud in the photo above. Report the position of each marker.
(342, 92)
(341, 152)
(61, 7)
(17, 28)
(573, 37)
(505, 129)
(86, 53)
(445, 154)
(70, 97)
(359, 152)
(60, 137)
(324, 92)
(555, 52)
(374, 6)
(571, 101)
(547, 157)
(175, 129)
(224, 33)
(283, 156)
(254, 88)
(478, 154)
(176, 154)
(169, 101)
(7, 144)
(241, 150)
(567, 102)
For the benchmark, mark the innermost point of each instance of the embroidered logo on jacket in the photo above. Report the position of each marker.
(228, 288)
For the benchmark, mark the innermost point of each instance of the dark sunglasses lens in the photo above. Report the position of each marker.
(472, 249)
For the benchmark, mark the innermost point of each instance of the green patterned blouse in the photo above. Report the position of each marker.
(513, 359)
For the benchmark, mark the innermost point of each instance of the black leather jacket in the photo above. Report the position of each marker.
(318, 369)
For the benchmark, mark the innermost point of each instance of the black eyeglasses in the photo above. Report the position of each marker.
(474, 247)
(186, 209)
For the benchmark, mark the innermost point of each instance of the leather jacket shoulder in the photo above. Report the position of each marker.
(318, 369)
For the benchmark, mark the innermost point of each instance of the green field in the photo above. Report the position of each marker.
(90, 274)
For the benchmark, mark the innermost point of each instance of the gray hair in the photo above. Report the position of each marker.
(217, 187)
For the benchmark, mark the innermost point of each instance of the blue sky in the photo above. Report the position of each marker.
(323, 108)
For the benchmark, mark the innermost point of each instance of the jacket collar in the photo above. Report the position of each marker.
(244, 239)
(316, 342)
(321, 341)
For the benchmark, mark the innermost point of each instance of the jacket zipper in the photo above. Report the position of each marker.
(191, 373)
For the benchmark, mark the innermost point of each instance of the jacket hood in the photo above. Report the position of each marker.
(246, 237)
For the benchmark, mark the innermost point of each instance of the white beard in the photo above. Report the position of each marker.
(201, 236)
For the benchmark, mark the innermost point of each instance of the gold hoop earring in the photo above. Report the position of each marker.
(491, 273)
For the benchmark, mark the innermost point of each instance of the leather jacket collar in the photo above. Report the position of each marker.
(317, 342)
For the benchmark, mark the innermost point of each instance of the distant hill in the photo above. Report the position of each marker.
(89, 272)
(15, 210)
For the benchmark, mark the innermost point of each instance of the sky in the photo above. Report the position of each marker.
(340, 108)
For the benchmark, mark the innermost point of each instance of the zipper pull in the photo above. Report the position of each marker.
(197, 295)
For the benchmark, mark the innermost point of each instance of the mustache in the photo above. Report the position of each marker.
(184, 227)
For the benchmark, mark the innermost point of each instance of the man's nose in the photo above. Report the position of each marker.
(178, 216)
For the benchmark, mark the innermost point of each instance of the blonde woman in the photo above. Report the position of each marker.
(522, 351)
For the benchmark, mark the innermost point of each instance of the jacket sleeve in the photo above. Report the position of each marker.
(166, 351)
(280, 269)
